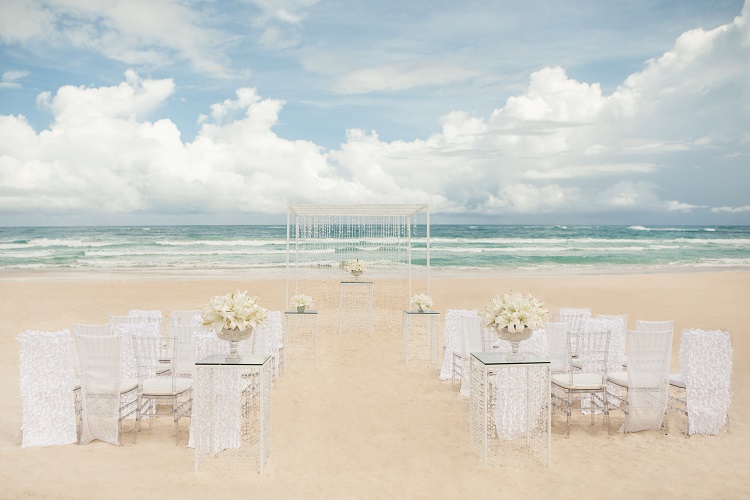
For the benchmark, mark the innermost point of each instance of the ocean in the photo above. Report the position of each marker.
(452, 247)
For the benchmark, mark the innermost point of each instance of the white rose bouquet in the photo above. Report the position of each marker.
(514, 311)
(421, 302)
(301, 301)
(355, 266)
(234, 311)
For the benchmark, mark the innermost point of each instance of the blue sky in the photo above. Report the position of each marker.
(205, 111)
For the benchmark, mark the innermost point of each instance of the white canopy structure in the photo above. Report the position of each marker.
(321, 238)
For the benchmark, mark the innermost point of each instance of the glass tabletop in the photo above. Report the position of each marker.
(507, 358)
(245, 359)
(423, 312)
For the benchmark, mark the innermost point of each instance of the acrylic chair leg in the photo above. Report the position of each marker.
(569, 411)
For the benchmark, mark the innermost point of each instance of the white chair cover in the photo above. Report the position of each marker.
(471, 341)
(707, 359)
(100, 360)
(618, 325)
(648, 379)
(46, 377)
(576, 317)
(452, 341)
(185, 317)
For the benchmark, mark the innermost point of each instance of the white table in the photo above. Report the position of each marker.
(355, 307)
(232, 412)
(420, 335)
(301, 336)
(521, 404)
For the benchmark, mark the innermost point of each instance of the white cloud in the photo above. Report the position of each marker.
(131, 32)
(731, 210)
(559, 147)
(9, 79)
(403, 75)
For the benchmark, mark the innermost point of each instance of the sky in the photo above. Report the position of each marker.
(489, 111)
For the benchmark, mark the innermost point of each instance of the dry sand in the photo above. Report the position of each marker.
(364, 425)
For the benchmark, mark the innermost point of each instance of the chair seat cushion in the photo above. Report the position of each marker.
(675, 379)
(581, 381)
(126, 385)
(163, 386)
(640, 381)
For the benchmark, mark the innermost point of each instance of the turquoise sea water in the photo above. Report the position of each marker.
(451, 247)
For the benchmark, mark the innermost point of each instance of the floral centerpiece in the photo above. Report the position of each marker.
(234, 317)
(421, 302)
(514, 316)
(301, 302)
(356, 267)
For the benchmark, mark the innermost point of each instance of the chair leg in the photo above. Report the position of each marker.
(570, 410)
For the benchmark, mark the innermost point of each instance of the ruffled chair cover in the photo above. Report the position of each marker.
(46, 379)
(472, 340)
(707, 360)
(511, 390)
(576, 317)
(452, 332)
(648, 380)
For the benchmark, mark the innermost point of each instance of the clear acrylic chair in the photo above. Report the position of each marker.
(576, 317)
(646, 382)
(593, 350)
(617, 339)
(106, 396)
(704, 382)
(163, 380)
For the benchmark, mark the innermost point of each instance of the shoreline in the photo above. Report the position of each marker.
(272, 273)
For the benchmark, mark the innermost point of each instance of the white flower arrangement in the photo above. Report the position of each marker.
(301, 300)
(355, 266)
(421, 302)
(234, 311)
(514, 311)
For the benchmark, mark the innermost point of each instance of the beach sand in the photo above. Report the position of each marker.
(362, 424)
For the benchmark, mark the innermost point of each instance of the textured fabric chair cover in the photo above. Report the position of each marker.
(471, 341)
(46, 377)
(452, 341)
(510, 385)
(185, 317)
(104, 390)
(267, 339)
(557, 336)
(105, 329)
(707, 358)
(648, 380)
(618, 325)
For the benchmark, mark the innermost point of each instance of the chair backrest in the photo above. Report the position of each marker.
(707, 358)
(99, 362)
(99, 367)
(576, 317)
(557, 345)
(649, 355)
(471, 335)
(618, 325)
(185, 351)
(46, 383)
(593, 350)
(149, 316)
(185, 317)
(128, 327)
(105, 329)
(156, 358)
(654, 326)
